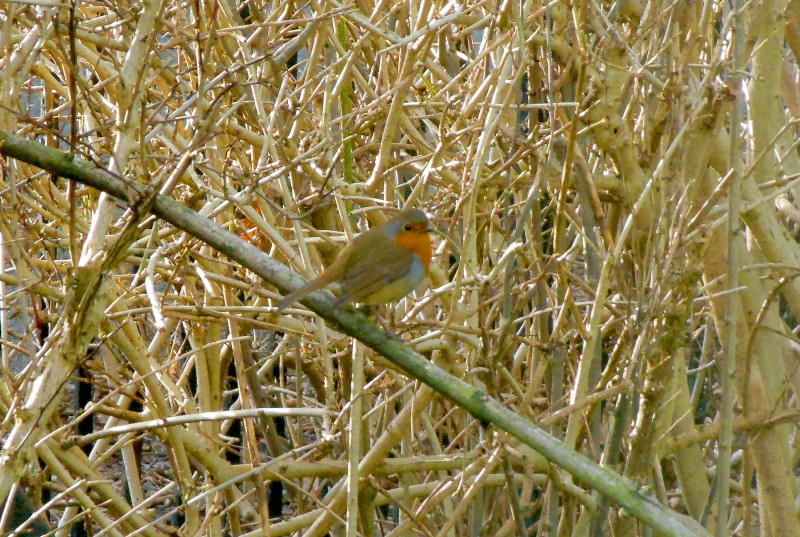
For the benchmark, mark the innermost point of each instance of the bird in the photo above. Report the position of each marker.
(379, 266)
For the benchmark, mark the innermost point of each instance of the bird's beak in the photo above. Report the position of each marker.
(428, 230)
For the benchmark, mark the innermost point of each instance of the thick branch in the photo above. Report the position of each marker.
(618, 489)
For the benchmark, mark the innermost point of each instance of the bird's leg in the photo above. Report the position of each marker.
(374, 312)
(389, 327)
(377, 313)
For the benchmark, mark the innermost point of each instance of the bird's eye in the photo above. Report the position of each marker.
(408, 227)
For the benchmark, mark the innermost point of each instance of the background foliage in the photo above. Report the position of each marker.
(581, 158)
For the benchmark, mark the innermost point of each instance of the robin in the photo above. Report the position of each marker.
(378, 266)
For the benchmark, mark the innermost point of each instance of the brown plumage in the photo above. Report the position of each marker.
(379, 266)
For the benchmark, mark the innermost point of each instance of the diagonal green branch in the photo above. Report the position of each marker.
(615, 487)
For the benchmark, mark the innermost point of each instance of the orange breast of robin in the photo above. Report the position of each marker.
(417, 241)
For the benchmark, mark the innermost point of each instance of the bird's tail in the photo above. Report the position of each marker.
(301, 292)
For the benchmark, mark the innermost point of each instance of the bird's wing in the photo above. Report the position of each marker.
(341, 265)
(363, 279)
